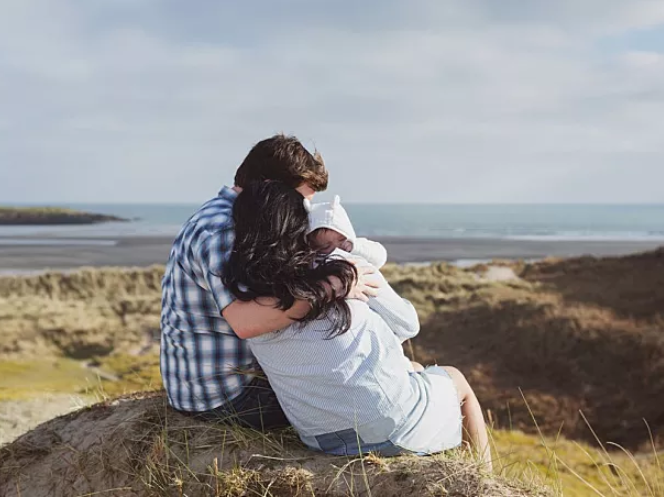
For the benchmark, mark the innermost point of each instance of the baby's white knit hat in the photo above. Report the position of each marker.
(330, 215)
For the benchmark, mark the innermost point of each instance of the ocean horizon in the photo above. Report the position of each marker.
(545, 222)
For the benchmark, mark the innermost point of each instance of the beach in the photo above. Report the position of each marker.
(24, 254)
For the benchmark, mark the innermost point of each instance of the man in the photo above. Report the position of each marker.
(205, 363)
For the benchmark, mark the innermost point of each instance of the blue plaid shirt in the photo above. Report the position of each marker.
(201, 357)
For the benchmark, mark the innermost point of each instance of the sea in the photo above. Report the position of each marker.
(545, 222)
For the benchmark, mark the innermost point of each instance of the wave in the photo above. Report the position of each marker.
(591, 237)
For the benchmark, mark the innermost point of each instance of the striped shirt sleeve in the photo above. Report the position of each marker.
(399, 314)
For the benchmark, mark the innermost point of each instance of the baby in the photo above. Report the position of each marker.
(330, 228)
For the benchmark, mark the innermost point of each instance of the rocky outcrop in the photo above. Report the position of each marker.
(52, 216)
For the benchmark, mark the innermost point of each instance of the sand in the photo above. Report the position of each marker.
(20, 254)
(19, 416)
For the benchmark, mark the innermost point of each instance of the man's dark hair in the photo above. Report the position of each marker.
(272, 258)
(282, 158)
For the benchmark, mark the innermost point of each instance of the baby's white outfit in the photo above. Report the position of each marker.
(333, 216)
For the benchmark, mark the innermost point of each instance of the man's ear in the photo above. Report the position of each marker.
(306, 191)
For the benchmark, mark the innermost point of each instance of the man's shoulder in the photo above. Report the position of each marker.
(216, 213)
(211, 224)
(213, 219)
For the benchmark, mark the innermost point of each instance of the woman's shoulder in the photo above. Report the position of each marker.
(315, 330)
(271, 337)
(320, 329)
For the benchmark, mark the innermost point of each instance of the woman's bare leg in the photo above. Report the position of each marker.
(474, 427)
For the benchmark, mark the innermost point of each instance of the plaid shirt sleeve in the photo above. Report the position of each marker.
(213, 254)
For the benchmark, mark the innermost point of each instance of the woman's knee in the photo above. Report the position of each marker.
(417, 367)
(462, 385)
(455, 373)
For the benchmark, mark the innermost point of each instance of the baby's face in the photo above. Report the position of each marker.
(325, 241)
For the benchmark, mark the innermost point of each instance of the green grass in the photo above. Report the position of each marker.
(135, 373)
(576, 469)
(30, 379)
(114, 375)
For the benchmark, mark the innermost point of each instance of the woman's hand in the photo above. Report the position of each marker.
(364, 287)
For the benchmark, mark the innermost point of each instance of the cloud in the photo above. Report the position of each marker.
(418, 101)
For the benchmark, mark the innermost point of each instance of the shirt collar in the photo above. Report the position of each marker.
(227, 193)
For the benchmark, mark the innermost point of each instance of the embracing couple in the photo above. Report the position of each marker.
(275, 313)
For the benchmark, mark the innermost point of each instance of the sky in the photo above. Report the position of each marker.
(455, 101)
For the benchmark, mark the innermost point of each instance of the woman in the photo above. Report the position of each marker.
(340, 374)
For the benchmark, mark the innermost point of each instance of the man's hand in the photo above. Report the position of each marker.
(365, 287)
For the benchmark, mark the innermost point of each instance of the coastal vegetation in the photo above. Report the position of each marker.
(567, 357)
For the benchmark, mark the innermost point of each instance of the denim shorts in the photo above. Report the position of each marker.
(438, 430)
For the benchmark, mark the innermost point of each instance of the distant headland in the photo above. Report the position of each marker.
(51, 216)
